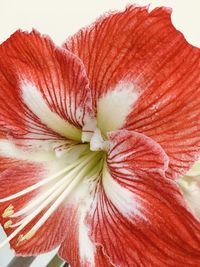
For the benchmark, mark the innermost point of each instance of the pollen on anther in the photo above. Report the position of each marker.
(7, 224)
(27, 236)
(8, 211)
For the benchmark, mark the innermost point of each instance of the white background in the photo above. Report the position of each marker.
(61, 18)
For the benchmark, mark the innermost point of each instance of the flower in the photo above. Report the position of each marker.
(94, 139)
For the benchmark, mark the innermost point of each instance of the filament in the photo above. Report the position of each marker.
(56, 194)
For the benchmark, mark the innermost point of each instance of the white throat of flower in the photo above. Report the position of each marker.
(112, 110)
(59, 187)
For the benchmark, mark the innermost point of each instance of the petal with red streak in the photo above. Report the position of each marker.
(144, 49)
(52, 233)
(139, 216)
(44, 88)
(7, 163)
(122, 43)
(71, 249)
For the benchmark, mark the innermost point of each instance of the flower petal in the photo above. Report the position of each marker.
(119, 44)
(138, 216)
(77, 249)
(52, 233)
(44, 89)
(143, 49)
(6, 163)
(35, 199)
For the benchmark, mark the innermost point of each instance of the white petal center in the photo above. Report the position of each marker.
(114, 106)
(124, 200)
(36, 103)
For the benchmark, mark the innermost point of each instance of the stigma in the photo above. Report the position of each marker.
(97, 143)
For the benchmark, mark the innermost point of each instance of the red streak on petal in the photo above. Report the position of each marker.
(164, 232)
(57, 74)
(49, 235)
(69, 249)
(144, 48)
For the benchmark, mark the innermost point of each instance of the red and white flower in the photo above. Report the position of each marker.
(94, 137)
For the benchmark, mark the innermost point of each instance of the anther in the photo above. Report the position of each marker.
(28, 235)
(7, 224)
(8, 211)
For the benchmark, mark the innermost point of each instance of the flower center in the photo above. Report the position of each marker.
(55, 189)
(97, 143)
(84, 165)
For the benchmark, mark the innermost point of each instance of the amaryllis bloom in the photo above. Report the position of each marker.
(94, 139)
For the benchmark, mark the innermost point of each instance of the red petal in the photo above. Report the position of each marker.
(70, 249)
(7, 163)
(52, 233)
(135, 150)
(146, 50)
(48, 237)
(139, 216)
(32, 68)
(122, 43)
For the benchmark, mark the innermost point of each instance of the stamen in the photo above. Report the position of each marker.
(56, 189)
(7, 224)
(8, 211)
(62, 191)
(60, 199)
(28, 219)
(41, 183)
(45, 203)
(39, 199)
(27, 236)
(71, 176)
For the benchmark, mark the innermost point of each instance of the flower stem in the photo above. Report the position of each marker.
(56, 262)
(21, 261)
